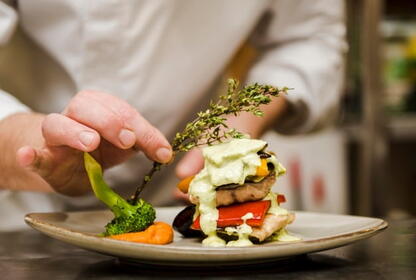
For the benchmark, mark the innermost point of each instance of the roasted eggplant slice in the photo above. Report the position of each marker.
(183, 222)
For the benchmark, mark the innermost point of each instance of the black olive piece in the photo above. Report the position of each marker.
(263, 154)
(225, 236)
(234, 236)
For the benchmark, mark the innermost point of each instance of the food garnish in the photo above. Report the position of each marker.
(209, 127)
(233, 197)
(158, 233)
(134, 218)
(128, 217)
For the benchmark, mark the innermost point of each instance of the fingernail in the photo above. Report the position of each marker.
(86, 138)
(127, 138)
(163, 155)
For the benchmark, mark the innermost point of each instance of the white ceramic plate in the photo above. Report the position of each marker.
(318, 232)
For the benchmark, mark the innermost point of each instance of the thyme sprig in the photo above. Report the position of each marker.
(210, 125)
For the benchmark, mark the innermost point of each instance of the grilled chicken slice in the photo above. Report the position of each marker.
(246, 192)
(271, 224)
(250, 191)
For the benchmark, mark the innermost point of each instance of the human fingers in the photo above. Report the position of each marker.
(59, 130)
(119, 123)
(53, 164)
(190, 164)
(180, 196)
(36, 160)
(26, 156)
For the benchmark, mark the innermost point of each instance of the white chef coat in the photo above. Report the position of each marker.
(163, 56)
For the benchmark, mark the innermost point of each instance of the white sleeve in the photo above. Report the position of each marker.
(10, 105)
(8, 21)
(302, 44)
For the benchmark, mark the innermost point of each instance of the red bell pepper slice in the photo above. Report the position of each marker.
(281, 198)
(231, 215)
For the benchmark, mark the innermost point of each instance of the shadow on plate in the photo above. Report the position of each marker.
(304, 263)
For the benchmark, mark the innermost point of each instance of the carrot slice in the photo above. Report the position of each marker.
(159, 233)
(183, 185)
(262, 170)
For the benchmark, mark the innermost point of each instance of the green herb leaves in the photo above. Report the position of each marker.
(209, 127)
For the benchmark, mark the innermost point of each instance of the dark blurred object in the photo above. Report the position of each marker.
(400, 8)
(410, 102)
(402, 169)
(380, 105)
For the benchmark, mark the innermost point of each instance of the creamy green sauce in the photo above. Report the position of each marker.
(279, 168)
(232, 162)
(213, 241)
(274, 205)
(283, 236)
(243, 231)
(226, 163)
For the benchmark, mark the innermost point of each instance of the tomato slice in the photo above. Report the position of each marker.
(231, 215)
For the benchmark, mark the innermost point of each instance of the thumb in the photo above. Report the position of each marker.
(56, 166)
(32, 159)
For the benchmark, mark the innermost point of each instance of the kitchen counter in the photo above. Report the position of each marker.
(388, 255)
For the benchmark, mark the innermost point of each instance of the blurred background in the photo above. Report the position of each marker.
(374, 139)
(365, 163)
(379, 109)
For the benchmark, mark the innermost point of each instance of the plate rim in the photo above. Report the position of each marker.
(300, 247)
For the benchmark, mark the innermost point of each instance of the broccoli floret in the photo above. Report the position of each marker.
(127, 217)
(139, 218)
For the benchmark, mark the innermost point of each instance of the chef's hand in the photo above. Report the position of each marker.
(95, 122)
